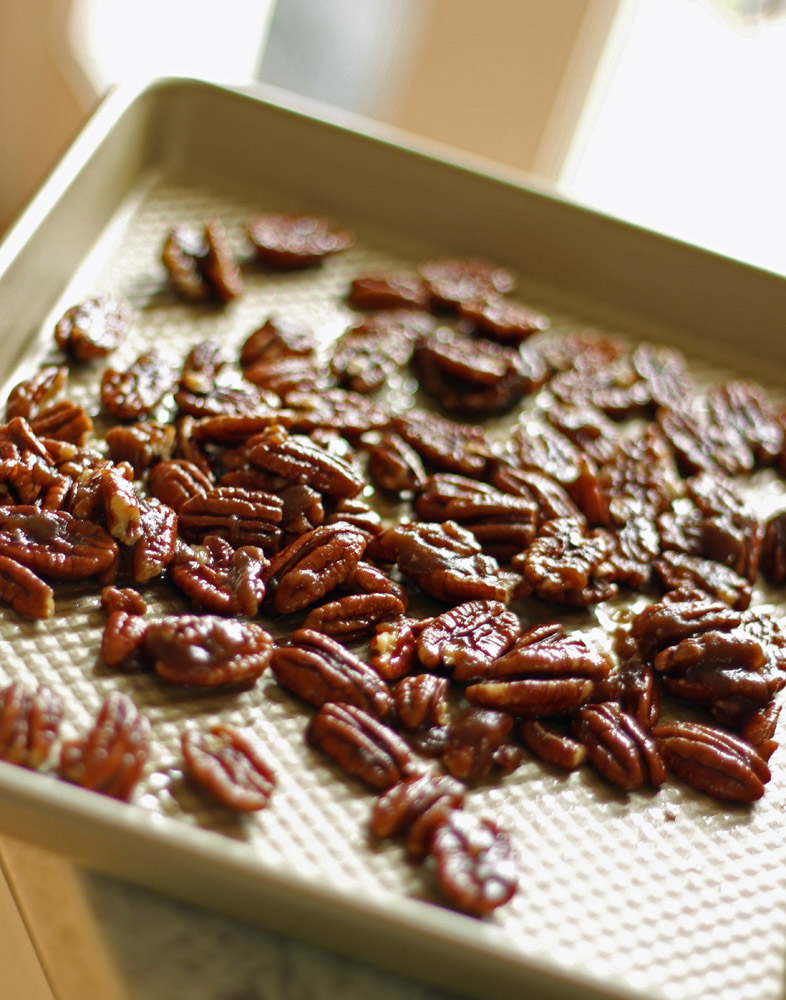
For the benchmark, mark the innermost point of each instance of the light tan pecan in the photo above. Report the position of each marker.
(93, 328)
(712, 761)
(230, 764)
(24, 590)
(242, 517)
(55, 544)
(361, 745)
(623, 752)
(29, 724)
(221, 579)
(319, 669)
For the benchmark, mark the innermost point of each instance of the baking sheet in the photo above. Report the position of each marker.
(652, 894)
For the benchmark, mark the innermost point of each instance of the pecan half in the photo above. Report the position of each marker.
(278, 337)
(141, 444)
(222, 580)
(65, 421)
(229, 763)
(419, 702)
(298, 458)
(200, 264)
(394, 465)
(294, 241)
(93, 328)
(123, 599)
(477, 741)
(155, 550)
(135, 392)
(468, 637)
(400, 808)
(392, 290)
(29, 724)
(242, 517)
(680, 571)
(176, 480)
(55, 544)
(351, 617)
(452, 280)
(552, 746)
(34, 394)
(123, 635)
(24, 590)
(618, 746)
(393, 648)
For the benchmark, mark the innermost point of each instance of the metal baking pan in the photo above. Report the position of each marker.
(648, 895)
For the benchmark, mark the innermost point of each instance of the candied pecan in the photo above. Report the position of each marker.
(93, 328)
(419, 702)
(236, 429)
(502, 320)
(587, 349)
(110, 759)
(476, 867)
(65, 421)
(621, 749)
(427, 811)
(587, 427)
(24, 590)
(122, 507)
(242, 517)
(637, 546)
(360, 744)
(319, 669)
(208, 651)
(200, 264)
(392, 290)
(133, 393)
(299, 459)
(746, 407)
(550, 497)
(218, 266)
(404, 803)
(452, 280)
(613, 387)
(29, 724)
(287, 376)
(466, 638)
(156, 548)
(176, 480)
(700, 444)
(640, 688)
(759, 729)
(222, 580)
(201, 367)
(228, 398)
(354, 616)
(393, 648)
(731, 532)
(712, 761)
(123, 635)
(229, 763)
(552, 746)
(446, 561)
(475, 376)
(368, 579)
(665, 372)
(278, 337)
(123, 599)
(444, 443)
(394, 465)
(141, 444)
(547, 650)
(189, 450)
(34, 394)
(55, 544)
(349, 413)
(368, 353)
(302, 507)
(539, 446)
(773, 552)
(357, 513)
(532, 697)
(313, 565)
(474, 743)
(293, 241)
(677, 570)
(569, 564)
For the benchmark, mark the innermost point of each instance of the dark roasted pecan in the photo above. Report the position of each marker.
(368, 353)
(476, 867)
(569, 564)
(443, 443)
(354, 616)
(773, 552)
(419, 702)
(293, 241)
(392, 290)
(502, 320)
(242, 517)
(55, 544)
(24, 590)
(133, 393)
(123, 635)
(551, 745)
(477, 741)
(176, 480)
(141, 444)
(94, 327)
(313, 565)
(287, 376)
(393, 648)
(350, 413)
(28, 398)
(731, 532)
(221, 579)
(123, 599)
(550, 497)
(278, 337)
(65, 421)
(361, 745)
(208, 651)
(468, 637)
(621, 749)
(229, 763)
(678, 571)
(447, 562)
(394, 465)
(400, 808)
(712, 761)
(299, 459)
(452, 280)
(700, 443)
(319, 669)
(200, 264)
(110, 759)
(29, 724)
(746, 407)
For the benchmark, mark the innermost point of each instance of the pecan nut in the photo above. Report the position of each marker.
(242, 517)
(467, 637)
(222, 580)
(618, 746)
(229, 763)
(94, 327)
(55, 544)
(351, 617)
(29, 724)
(24, 590)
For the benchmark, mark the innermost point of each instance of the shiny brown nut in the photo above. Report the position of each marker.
(746, 407)
(218, 265)
(123, 635)
(668, 622)
(230, 429)
(700, 443)
(712, 761)
(361, 745)
(759, 729)
(547, 650)
(294, 241)
(420, 702)
(393, 648)
(394, 465)
(93, 328)
(201, 367)
(773, 553)
(549, 496)
(452, 280)
(552, 746)
(228, 398)
(64, 421)
(242, 517)
(29, 724)
(731, 532)
(222, 580)
(319, 669)
(313, 565)
(29, 397)
(278, 337)
(201, 264)
(123, 599)
(134, 393)
(122, 504)
(141, 444)
(155, 550)
(111, 758)
(229, 763)
(502, 320)
(174, 481)
(466, 638)
(640, 685)
(532, 697)
(299, 459)
(368, 354)
(396, 810)
(55, 544)
(443, 443)
(208, 651)
(392, 290)
(621, 749)
(24, 590)
(474, 741)
(476, 865)
(354, 616)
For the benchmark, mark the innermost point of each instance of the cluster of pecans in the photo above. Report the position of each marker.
(246, 484)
